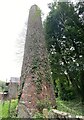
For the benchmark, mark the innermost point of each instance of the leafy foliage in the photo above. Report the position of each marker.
(43, 104)
(65, 90)
(2, 86)
(38, 116)
(64, 28)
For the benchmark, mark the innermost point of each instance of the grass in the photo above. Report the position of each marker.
(4, 109)
(74, 107)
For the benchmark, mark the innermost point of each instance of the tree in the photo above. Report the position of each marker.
(64, 28)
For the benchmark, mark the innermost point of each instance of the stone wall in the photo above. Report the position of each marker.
(13, 90)
(59, 114)
(63, 115)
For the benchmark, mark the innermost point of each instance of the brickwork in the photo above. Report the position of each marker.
(36, 83)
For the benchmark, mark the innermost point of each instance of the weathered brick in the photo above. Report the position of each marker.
(35, 69)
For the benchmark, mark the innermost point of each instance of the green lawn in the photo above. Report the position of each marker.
(74, 107)
(4, 109)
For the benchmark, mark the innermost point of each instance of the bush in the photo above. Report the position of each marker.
(38, 116)
(65, 90)
(43, 104)
(67, 94)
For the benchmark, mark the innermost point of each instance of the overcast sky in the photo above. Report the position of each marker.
(13, 15)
